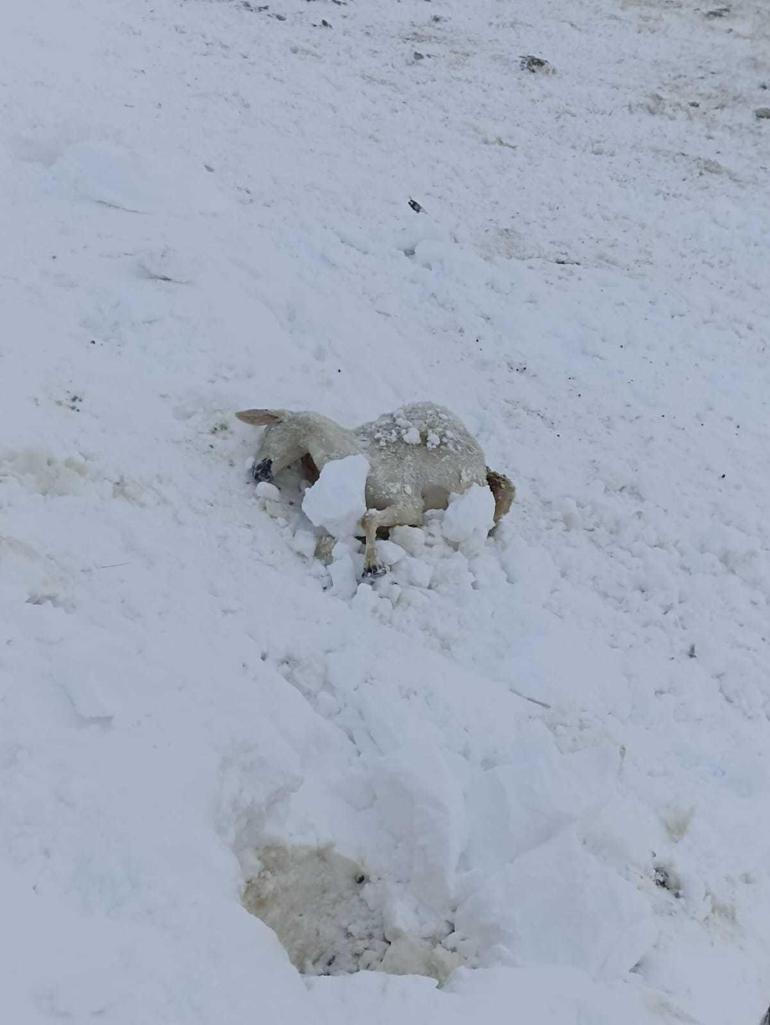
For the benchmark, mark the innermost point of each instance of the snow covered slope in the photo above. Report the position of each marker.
(205, 207)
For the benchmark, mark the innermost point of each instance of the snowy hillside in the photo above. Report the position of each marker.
(523, 783)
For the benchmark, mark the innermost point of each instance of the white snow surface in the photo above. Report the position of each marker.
(337, 500)
(548, 754)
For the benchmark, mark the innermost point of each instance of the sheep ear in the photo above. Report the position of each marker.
(260, 417)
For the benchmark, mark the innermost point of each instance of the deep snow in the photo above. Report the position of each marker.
(205, 207)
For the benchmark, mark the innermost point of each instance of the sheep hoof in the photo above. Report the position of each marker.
(375, 570)
(263, 471)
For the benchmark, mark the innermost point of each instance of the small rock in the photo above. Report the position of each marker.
(534, 64)
(762, 113)
(666, 880)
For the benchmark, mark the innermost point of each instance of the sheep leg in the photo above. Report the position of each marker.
(404, 514)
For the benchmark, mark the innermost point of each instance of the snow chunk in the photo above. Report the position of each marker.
(516, 807)
(558, 904)
(345, 571)
(469, 517)
(414, 572)
(389, 553)
(268, 492)
(122, 179)
(411, 539)
(87, 699)
(304, 543)
(337, 500)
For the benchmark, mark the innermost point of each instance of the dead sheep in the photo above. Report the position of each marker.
(418, 456)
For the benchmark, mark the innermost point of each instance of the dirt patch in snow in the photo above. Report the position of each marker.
(328, 915)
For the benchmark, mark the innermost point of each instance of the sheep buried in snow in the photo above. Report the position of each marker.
(418, 456)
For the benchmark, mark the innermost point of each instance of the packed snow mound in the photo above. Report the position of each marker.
(555, 905)
(469, 517)
(120, 178)
(337, 500)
